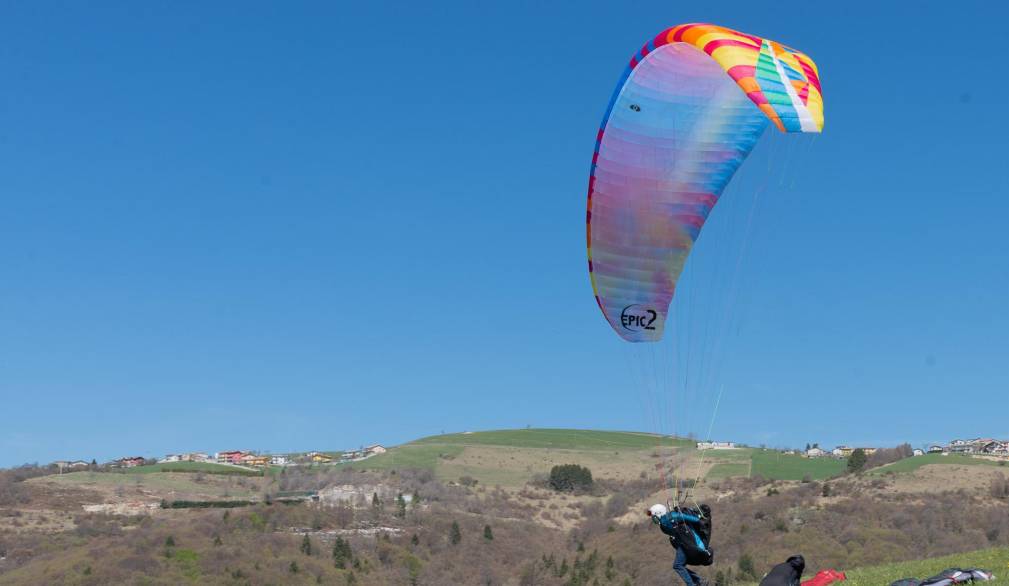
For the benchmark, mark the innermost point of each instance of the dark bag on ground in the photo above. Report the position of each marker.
(788, 573)
(949, 577)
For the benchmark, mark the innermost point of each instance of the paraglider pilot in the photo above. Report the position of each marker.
(689, 532)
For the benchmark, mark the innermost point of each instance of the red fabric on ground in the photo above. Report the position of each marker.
(825, 577)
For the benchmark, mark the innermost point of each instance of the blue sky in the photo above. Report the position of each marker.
(305, 225)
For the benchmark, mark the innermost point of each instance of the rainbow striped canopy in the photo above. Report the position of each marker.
(674, 133)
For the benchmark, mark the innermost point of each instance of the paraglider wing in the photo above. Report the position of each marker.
(688, 110)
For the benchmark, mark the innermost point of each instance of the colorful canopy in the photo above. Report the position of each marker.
(676, 130)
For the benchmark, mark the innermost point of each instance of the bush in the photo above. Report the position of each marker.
(569, 477)
(857, 461)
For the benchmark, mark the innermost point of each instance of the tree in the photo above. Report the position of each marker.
(376, 503)
(342, 553)
(857, 460)
(169, 541)
(568, 477)
(306, 545)
(293, 568)
(400, 506)
(487, 533)
(454, 534)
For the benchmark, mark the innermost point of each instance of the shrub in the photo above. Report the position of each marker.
(857, 461)
(569, 477)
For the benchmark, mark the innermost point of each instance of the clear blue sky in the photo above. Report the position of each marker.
(285, 226)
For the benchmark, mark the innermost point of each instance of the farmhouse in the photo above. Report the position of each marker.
(278, 460)
(254, 460)
(716, 446)
(128, 462)
(230, 457)
(815, 453)
(846, 451)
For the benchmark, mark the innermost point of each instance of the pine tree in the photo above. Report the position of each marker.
(857, 460)
(306, 545)
(400, 506)
(455, 535)
(342, 553)
(487, 533)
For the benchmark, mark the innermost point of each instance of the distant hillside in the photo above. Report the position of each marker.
(560, 439)
(512, 457)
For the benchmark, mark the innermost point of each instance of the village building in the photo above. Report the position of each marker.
(716, 446)
(128, 462)
(229, 457)
(815, 453)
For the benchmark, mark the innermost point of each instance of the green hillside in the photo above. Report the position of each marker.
(205, 467)
(562, 439)
(588, 447)
(908, 465)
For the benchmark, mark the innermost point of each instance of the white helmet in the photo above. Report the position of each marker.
(657, 510)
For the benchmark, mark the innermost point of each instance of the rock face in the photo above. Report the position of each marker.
(360, 495)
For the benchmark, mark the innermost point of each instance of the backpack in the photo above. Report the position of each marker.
(695, 544)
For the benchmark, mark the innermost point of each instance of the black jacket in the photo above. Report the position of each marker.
(786, 574)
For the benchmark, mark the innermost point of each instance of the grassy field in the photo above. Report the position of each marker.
(205, 467)
(562, 439)
(778, 466)
(994, 560)
(908, 465)
(770, 464)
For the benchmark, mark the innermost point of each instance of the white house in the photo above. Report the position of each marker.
(815, 453)
(170, 458)
(935, 449)
(918, 452)
(376, 449)
(716, 446)
(278, 460)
